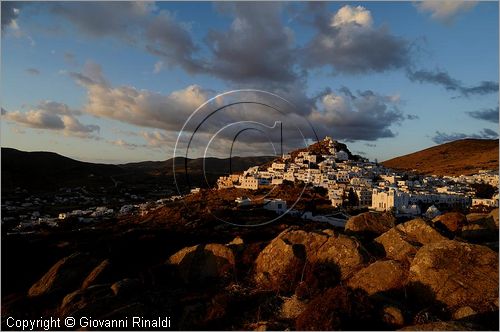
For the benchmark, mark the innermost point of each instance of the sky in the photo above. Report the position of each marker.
(118, 82)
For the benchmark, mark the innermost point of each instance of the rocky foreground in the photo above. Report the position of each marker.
(377, 273)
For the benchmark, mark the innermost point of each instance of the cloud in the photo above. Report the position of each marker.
(442, 78)
(52, 115)
(138, 107)
(138, 23)
(104, 18)
(366, 116)
(33, 71)
(256, 47)
(10, 12)
(122, 143)
(489, 114)
(157, 139)
(158, 67)
(69, 58)
(445, 11)
(486, 133)
(348, 42)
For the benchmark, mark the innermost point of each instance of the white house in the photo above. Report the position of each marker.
(276, 205)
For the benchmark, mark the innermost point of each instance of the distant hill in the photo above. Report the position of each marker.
(49, 170)
(466, 156)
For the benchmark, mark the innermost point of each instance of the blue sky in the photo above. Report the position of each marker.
(114, 82)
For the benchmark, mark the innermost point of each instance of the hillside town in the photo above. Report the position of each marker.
(348, 182)
(364, 184)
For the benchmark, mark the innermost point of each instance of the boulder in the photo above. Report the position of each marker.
(93, 301)
(338, 308)
(292, 307)
(402, 242)
(478, 232)
(97, 275)
(481, 227)
(392, 316)
(203, 262)
(370, 224)
(452, 221)
(281, 264)
(463, 312)
(456, 274)
(379, 277)
(442, 326)
(67, 274)
(473, 218)
(125, 287)
(494, 215)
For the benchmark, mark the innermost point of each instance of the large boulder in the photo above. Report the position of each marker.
(380, 276)
(98, 275)
(336, 309)
(204, 262)
(456, 274)
(67, 274)
(281, 264)
(369, 224)
(452, 221)
(481, 227)
(402, 242)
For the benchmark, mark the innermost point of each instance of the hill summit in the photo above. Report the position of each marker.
(466, 157)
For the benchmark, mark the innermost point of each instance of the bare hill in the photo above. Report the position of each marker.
(466, 157)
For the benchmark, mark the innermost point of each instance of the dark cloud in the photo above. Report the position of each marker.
(486, 133)
(10, 12)
(138, 23)
(69, 58)
(366, 116)
(444, 79)
(490, 114)
(172, 41)
(348, 42)
(99, 19)
(33, 71)
(412, 117)
(257, 46)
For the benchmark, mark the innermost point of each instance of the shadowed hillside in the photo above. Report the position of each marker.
(466, 157)
(49, 170)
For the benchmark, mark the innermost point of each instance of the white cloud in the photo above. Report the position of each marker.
(349, 15)
(445, 10)
(52, 115)
(138, 107)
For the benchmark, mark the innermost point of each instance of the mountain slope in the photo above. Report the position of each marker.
(49, 170)
(466, 157)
